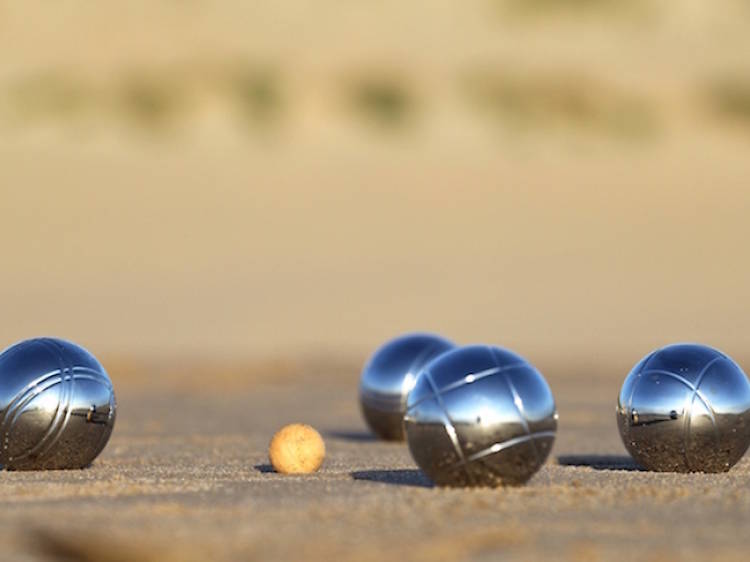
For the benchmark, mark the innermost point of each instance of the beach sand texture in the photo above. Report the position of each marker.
(186, 477)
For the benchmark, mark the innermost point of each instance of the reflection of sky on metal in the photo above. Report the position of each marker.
(409, 380)
(392, 369)
(686, 407)
(487, 415)
(469, 390)
(48, 399)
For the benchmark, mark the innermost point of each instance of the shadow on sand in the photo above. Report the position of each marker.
(359, 436)
(600, 462)
(264, 468)
(401, 477)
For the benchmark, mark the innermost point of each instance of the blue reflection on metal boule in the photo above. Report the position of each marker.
(480, 416)
(388, 377)
(57, 406)
(685, 408)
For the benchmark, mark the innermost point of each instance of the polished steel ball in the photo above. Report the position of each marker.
(57, 407)
(480, 416)
(388, 377)
(685, 408)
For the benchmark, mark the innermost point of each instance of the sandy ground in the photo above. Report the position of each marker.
(185, 477)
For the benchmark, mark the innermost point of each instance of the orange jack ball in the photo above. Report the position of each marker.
(297, 449)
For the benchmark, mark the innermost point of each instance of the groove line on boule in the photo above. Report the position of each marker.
(54, 429)
(450, 428)
(33, 392)
(497, 447)
(470, 379)
(69, 394)
(517, 402)
(688, 384)
(691, 402)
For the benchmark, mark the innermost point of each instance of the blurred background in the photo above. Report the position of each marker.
(569, 178)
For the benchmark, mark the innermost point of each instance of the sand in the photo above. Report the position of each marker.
(186, 477)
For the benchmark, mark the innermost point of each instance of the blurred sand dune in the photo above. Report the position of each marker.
(245, 178)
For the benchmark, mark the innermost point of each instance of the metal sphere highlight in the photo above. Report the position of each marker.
(388, 377)
(480, 416)
(57, 406)
(685, 408)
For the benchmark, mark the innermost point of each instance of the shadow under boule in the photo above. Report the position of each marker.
(600, 462)
(358, 436)
(398, 477)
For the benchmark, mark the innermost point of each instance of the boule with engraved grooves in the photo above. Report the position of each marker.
(57, 406)
(685, 408)
(388, 377)
(480, 416)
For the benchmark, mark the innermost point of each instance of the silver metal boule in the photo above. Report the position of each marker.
(480, 416)
(57, 406)
(685, 408)
(388, 377)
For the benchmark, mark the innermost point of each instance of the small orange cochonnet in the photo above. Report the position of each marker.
(296, 449)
